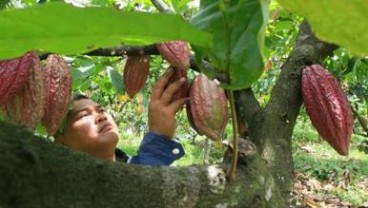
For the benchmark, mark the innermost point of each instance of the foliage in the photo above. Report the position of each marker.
(64, 29)
(99, 78)
(240, 25)
(338, 22)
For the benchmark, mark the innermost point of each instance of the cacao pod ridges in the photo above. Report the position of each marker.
(58, 84)
(176, 53)
(135, 73)
(207, 111)
(26, 108)
(327, 107)
(14, 74)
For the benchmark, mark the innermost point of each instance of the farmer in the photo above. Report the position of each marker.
(89, 128)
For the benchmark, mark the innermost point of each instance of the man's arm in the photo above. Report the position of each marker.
(157, 150)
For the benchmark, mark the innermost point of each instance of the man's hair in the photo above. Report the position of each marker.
(78, 96)
(63, 123)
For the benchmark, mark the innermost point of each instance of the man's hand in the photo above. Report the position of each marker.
(162, 109)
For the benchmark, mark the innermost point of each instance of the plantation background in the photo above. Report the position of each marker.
(323, 177)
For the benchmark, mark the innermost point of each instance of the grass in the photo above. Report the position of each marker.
(346, 176)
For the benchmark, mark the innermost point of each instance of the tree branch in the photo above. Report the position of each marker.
(37, 173)
(362, 121)
(272, 129)
(162, 7)
(149, 50)
(248, 108)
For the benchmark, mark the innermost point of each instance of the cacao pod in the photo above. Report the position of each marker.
(184, 89)
(14, 74)
(135, 74)
(176, 53)
(58, 85)
(207, 110)
(327, 107)
(26, 108)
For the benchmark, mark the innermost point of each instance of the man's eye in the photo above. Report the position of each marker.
(102, 110)
(82, 115)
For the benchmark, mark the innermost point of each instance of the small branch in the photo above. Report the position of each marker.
(149, 50)
(231, 175)
(162, 7)
(362, 121)
(119, 51)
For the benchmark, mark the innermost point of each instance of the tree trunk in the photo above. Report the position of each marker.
(271, 128)
(38, 173)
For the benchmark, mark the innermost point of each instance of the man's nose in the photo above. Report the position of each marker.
(100, 117)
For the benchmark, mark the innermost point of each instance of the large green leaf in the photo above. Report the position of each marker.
(61, 28)
(340, 22)
(238, 33)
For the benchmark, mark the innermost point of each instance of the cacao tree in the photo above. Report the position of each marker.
(227, 42)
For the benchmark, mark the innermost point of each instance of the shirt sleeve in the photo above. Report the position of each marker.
(157, 150)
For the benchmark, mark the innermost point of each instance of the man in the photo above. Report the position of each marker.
(89, 128)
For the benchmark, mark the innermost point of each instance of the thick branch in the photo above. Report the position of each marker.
(37, 173)
(275, 135)
(248, 108)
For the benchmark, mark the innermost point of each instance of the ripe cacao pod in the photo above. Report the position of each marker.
(327, 107)
(176, 53)
(58, 85)
(14, 74)
(184, 89)
(135, 73)
(207, 110)
(26, 108)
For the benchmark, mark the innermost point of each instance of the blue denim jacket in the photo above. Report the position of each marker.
(157, 150)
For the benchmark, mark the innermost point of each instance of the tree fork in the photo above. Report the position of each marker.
(271, 128)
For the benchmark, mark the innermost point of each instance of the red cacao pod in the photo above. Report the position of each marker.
(135, 74)
(178, 74)
(176, 53)
(27, 107)
(207, 110)
(327, 107)
(14, 74)
(58, 84)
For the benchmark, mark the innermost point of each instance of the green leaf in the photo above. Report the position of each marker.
(116, 79)
(179, 5)
(238, 34)
(341, 22)
(3, 3)
(61, 28)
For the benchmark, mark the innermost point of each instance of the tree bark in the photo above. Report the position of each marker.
(271, 128)
(35, 172)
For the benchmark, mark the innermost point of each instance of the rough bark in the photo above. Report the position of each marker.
(271, 128)
(35, 172)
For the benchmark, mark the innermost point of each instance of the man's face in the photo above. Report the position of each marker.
(90, 129)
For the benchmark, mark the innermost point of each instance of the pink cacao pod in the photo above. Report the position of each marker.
(176, 53)
(58, 84)
(207, 110)
(13, 75)
(135, 74)
(27, 107)
(327, 107)
(184, 89)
